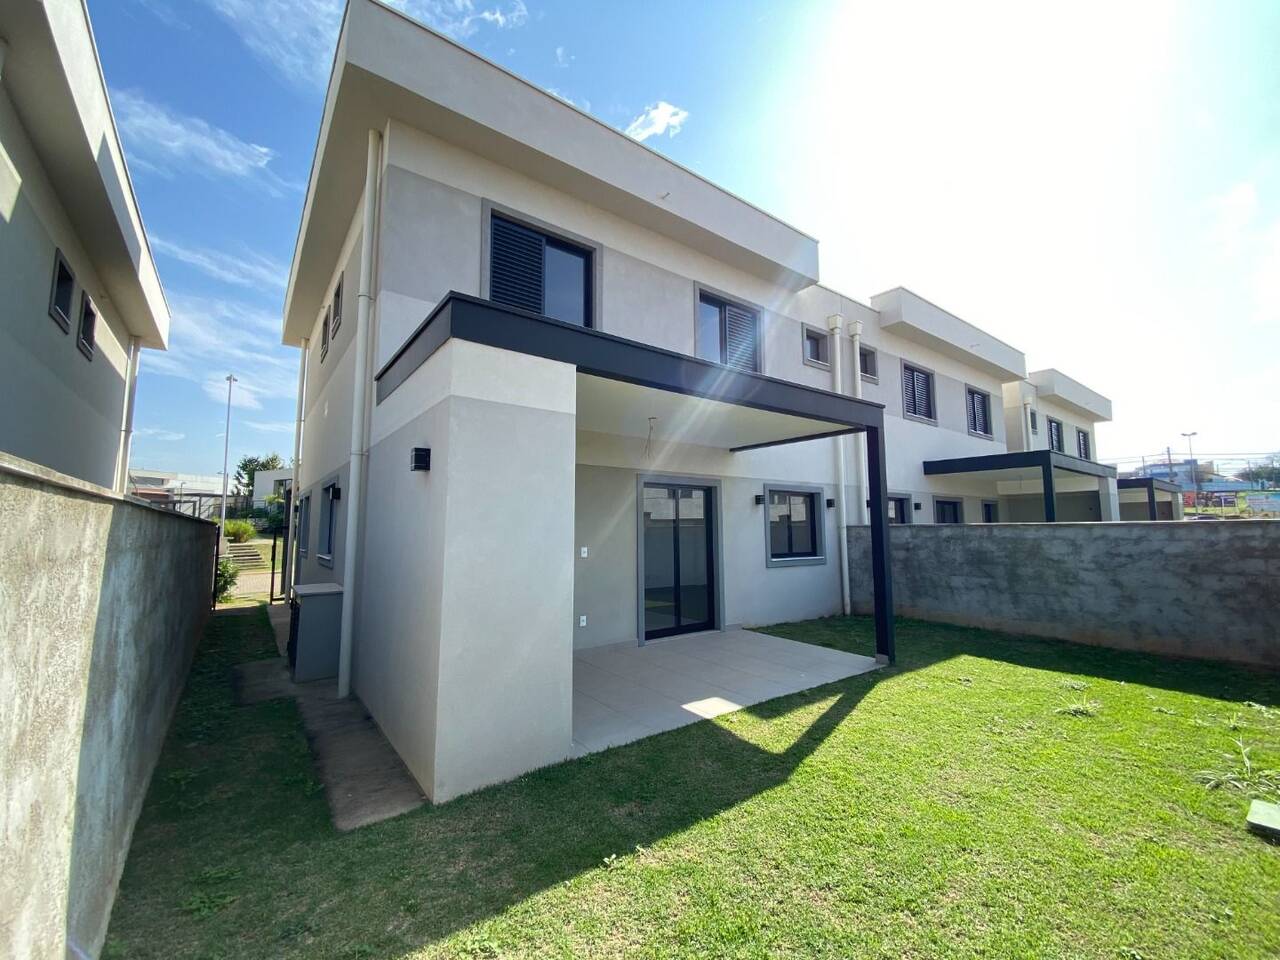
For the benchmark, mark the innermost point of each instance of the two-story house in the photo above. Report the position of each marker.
(81, 292)
(559, 393)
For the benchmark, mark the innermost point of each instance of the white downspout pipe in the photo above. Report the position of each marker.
(126, 420)
(859, 446)
(359, 404)
(299, 419)
(835, 323)
(1026, 425)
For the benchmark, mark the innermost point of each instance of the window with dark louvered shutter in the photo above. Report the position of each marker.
(516, 265)
(1082, 444)
(741, 349)
(917, 392)
(979, 412)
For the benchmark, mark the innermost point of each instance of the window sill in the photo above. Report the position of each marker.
(325, 560)
(869, 378)
(820, 364)
(60, 320)
(919, 419)
(85, 348)
(795, 561)
(982, 436)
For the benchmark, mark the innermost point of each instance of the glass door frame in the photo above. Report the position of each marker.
(711, 486)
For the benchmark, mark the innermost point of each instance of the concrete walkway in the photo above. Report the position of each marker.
(624, 692)
(364, 779)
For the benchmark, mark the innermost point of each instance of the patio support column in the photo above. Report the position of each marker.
(1152, 513)
(1050, 502)
(881, 567)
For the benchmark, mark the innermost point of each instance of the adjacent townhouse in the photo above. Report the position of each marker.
(558, 392)
(81, 292)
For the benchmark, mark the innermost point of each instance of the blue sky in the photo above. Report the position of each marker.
(1097, 185)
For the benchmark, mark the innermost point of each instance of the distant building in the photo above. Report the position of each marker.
(270, 483)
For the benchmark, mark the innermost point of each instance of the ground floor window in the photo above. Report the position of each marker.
(793, 521)
(990, 512)
(328, 510)
(948, 511)
(899, 508)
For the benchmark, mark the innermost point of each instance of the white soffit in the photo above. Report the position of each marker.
(906, 315)
(618, 407)
(1057, 386)
(388, 66)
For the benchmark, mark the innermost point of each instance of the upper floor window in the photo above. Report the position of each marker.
(304, 523)
(337, 308)
(979, 411)
(538, 272)
(917, 393)
(88, 326)
(64, 284)
(793, 522)
(867, 364)
(324, 332)
(1055, 434)
(1035, 424)
(728, 333)
(815, 347)
(1082, 444)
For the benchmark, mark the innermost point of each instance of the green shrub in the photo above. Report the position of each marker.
(238, 531)
(226, 577)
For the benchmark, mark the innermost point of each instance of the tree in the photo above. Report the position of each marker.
(250, 465)
(1266, 473)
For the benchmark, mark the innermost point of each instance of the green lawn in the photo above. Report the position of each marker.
(989, 796)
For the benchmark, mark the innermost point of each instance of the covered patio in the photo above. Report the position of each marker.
(1040, 486)
(624, 692)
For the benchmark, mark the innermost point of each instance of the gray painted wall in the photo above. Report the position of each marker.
(57, 407)
(1207, 590)
(101, 603)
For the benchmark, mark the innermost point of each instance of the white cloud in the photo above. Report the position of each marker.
(168, 143)
(297, 37)
(657, 119)
(210, 338)
(155, 433)
(562, 57)
(250, 270)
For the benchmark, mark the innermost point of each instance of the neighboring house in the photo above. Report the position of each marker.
(1185, 473)
(271, 483)
(81, 293)
(594, 399)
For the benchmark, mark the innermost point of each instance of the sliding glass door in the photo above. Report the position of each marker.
(679, 568)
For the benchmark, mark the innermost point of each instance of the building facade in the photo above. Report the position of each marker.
(558, 392)
(82, 296)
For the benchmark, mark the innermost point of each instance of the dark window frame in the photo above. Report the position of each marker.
(972, 393)
(329, 498)
(548, 237)
(818, 336)
(1084, 444)
(932, 417)
(904, 514)
(958, 502)
(337, 307)
(60, 317)
(817, 520)
(1035, 422)
(995, 509)
(874, 356)
(304, 523)
(1056, 435)
(86, 333)
(324, 332)
(724, 304)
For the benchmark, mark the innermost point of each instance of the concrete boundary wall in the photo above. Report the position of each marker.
(1192, 589)
(102, 600)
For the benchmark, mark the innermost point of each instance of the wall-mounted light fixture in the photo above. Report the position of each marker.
(831, 502)
(917, 506)
(420, 458)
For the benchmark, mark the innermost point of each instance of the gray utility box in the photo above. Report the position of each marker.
(315, 631)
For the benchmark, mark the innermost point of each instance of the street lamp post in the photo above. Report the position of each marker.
(226, 447)
(1195, 474)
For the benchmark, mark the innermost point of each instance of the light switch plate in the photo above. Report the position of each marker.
(583, 553)
(582, 620)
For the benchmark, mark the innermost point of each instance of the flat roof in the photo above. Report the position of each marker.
(1018, 459)
(54, 79)
(388, 66)
(910, 316)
